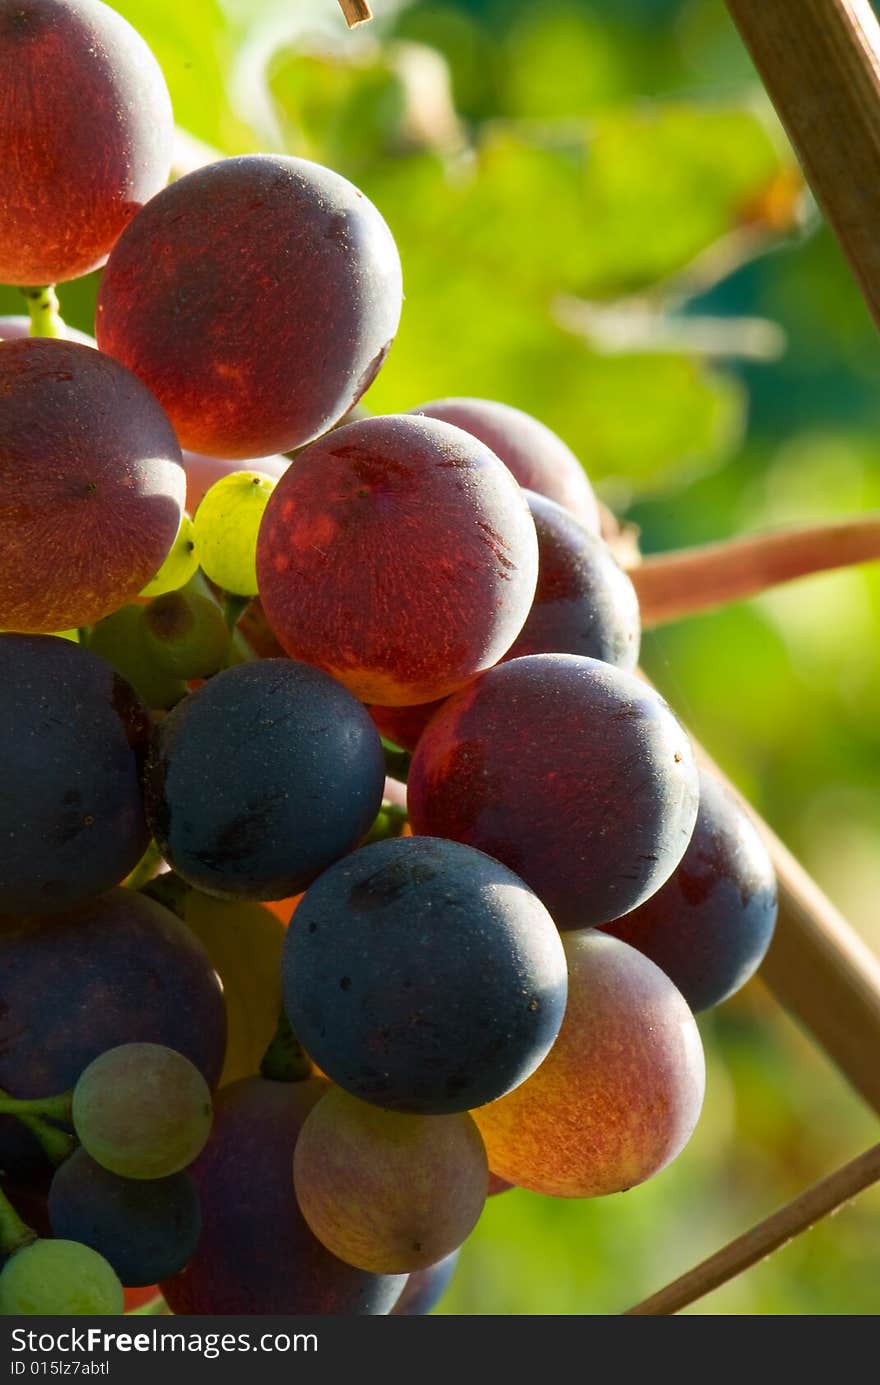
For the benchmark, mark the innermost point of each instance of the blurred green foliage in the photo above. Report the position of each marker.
(600, 221)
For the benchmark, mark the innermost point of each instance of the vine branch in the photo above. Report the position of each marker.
(819, 1201)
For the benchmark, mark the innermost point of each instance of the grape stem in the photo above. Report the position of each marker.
(285, 1059)
(54, 1107)
(390, 822)
(397, 762)
(677, 584)
(14, 1233)
(146, 868)
(816, 1202)
(234, 608)
(43, 306)
(355, 11)
(57, 1145)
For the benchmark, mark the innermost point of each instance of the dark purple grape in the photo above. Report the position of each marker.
(423, 976)
(86, 135)
(572, 772)
(120, 969)
(256, 1253)
(584, 602)
(73, 736)
(257, 297)
(263, 778)
(146, 1229)
(539, 459)
(425, 1288)
(711, 924)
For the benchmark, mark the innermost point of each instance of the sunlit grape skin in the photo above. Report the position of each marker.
(142, 1110)
(619, 1094)
(117, 970)
(145, 1229)
(388, 1192)
(710, 925)
(87, 134)
(257, 297)
(422, 976)
(256, 1253)
(91, 487)
(539, 459)
(16, 327)
(73, 738)
(415, 550)
(573, 773)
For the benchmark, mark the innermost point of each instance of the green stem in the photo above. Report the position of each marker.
(397, 762)
(285, 1059)
(43, 306)
(170, 890)
(390, 822)
(234, 608)
(57, 1145)
(14, 1233)
(54, 1107)
(145, 869)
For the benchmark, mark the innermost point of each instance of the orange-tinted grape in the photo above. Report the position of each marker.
(86, 135)
(620, 1092)
(388, 1192)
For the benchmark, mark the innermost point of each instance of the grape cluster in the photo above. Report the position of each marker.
(272, 1025)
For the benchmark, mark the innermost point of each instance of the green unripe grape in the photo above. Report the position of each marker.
(179, 566)
(186, 634)
(227, 523)
(47, 1278)
(142, 1110)
(120, 639)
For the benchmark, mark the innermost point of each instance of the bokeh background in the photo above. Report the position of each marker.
(601, 222)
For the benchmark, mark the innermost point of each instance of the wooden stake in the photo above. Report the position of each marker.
(355, 11)
(673, 585)
(817, 1202)
(820, 63)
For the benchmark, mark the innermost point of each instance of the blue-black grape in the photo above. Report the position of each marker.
(73, 736)
(256, 1253)
(146, 1229)
(262, 778)
(121, 969)
(711, 924)
(423, 976)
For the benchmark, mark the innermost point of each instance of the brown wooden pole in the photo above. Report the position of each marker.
(820, 63)
(818, 1201)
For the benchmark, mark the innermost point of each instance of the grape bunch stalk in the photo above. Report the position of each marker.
(352, 872)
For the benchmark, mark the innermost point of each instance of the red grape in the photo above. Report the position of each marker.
(572, 772)
(620, 1092)
(539, 459)
(257, 297)
(399, 555)
(91, 487)
(86, 135)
